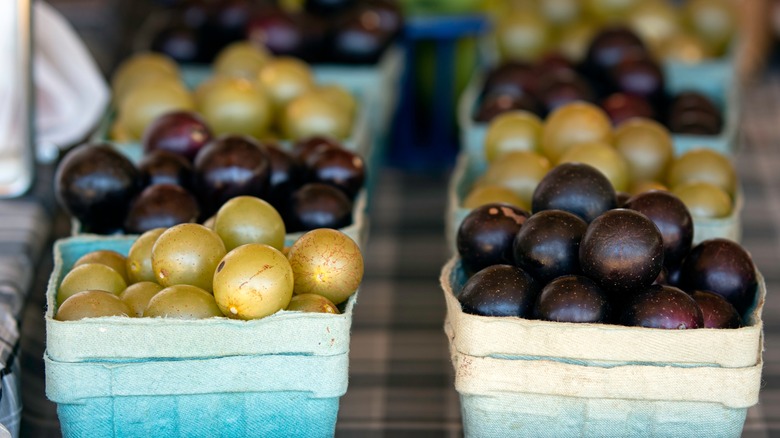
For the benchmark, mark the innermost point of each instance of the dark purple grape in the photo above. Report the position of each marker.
(340, 168)
(181, 132)
(95, 184)
(724, 267)
(486, 235)
(577, 188)
(511, 78)
(622, 198)
(672, 218)
(499, 290)
(317, 205)
(621, 107)
(163, 167)
(640, 76)
(305, 150)
(230, 166)
(286, 176)
(694, 113)
(694, 122)
(281, 33)
(548, 244)
(664, 307)
(622, 251)
(558, 88)
(717, 312)
(494, 104)
(573, 298)
(161, 206)
(609, 47)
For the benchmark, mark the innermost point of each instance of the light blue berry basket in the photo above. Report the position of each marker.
(280, 376)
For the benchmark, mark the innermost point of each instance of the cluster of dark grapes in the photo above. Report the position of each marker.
(618, 73)
(186, 175)
(583, 257)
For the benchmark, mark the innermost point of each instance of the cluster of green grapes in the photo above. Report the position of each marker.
(636, 156)
(238, 269)
(251, 92)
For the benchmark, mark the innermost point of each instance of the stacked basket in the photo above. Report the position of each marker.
(529, 377)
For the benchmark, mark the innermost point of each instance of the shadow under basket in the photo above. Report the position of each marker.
(279, 376)
(530, 378)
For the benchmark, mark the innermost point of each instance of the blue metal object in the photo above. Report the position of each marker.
(420, 140)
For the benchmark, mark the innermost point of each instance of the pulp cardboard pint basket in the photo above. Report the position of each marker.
(280, 376)
(527, 378)
(468, 170)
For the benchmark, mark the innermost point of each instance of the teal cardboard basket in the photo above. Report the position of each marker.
(528, 378)
(280, 376)
(468, 170)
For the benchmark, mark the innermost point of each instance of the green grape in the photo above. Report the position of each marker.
(92, 304)
(112, 259)
(703, 165)
(246, 219)
(647, 147)
(285, 78)
(312, 303)
(234, 105)
(90, 276)
(603, 157)
(253, 281)
(139, 258)
(519, 171)
(137, 296)
(326, 262)
(512, 131)
(704, 200)
(187, 254)
(242, 59)
(182, 301)
(572, 124)
(489, 193)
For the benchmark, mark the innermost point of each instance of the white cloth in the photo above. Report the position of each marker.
(71, 94)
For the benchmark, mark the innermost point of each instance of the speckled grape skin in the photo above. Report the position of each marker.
(547, 245)
(182, 301)
(577, 188)
(500, 290)
(312, 303)
(253, 281)
(139, 258)
(717, 312)
(672, 218)
(486, 235)
(664, 307)
(622, 251)
(326, 262)
(90, 276)
(92, 304)
(724, 267)
(573, 298)
(187, 254)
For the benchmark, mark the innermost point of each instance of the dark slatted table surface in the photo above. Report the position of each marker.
(400, 373)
